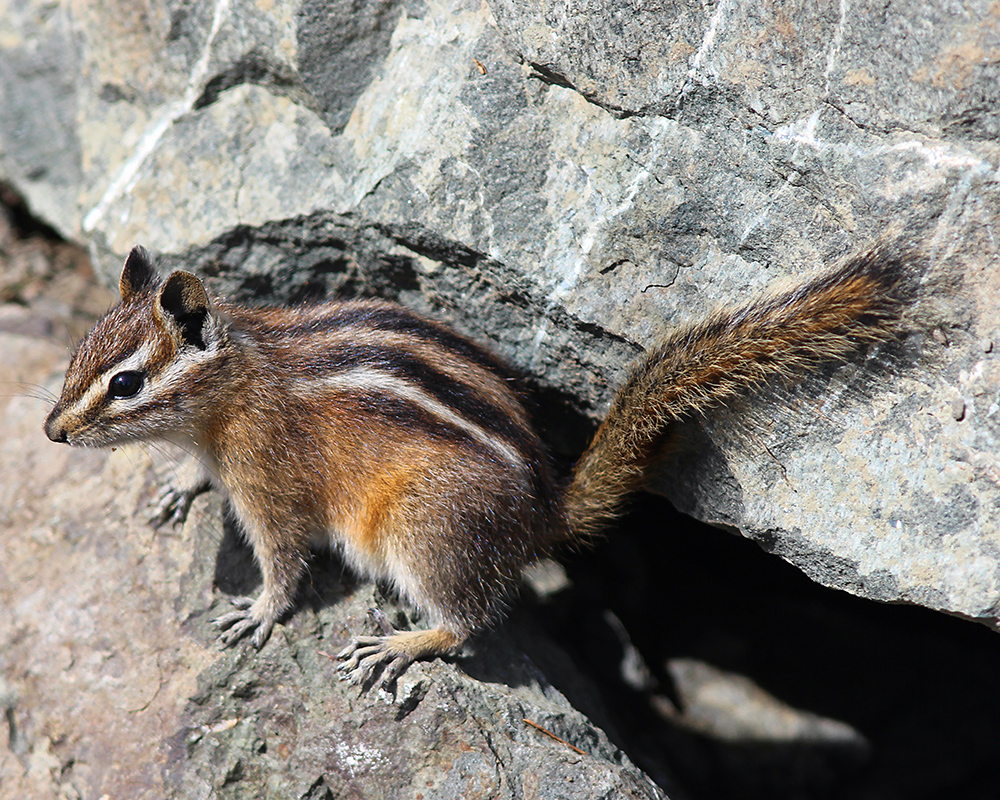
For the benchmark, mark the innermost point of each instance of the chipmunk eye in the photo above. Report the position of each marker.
(125, 384)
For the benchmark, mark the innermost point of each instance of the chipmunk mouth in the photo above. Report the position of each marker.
(58, 431)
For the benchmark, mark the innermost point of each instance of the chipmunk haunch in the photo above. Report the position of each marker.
(365, 427)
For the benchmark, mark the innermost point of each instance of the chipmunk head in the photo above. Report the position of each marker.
(131, 376)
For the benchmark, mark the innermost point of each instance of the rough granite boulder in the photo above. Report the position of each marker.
(561, 181)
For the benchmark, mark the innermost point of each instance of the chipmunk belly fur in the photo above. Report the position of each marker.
(404, 445)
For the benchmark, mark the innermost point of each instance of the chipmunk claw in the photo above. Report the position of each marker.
(171, 505)
(237, 624)
(370, 661)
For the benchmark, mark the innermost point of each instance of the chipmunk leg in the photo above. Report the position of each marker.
(281, 568)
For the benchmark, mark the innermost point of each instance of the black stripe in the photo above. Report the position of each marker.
(103, 350)
(400, 412)
(453, 394)
(406, 414)
(396, 319)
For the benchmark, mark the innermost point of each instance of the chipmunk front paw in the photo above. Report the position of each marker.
(246, 618)
(172, 505)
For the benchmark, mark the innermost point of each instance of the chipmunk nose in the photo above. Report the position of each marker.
(55, 432)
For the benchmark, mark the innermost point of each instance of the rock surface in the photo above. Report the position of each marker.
(561, 181)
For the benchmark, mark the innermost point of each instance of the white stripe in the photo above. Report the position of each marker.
(367, 379)
(153, 386)
(98, 388)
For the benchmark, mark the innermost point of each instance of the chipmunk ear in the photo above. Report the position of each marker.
(137, 274)
(182, 304)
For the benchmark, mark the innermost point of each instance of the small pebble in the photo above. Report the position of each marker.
(958, 409)
(986, 345)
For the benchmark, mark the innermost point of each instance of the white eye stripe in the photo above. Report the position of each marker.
(156, 382)
(174, 373)
(136, 362)
(97, 391)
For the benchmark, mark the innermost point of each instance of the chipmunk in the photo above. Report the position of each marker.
(361, 425)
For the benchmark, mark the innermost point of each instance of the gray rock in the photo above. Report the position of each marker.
(564, 181)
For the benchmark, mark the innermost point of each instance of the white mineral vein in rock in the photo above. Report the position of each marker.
(127, 172)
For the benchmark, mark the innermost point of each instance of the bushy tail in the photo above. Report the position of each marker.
(700, 366)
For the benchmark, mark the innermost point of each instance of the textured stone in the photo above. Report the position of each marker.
(563, 181)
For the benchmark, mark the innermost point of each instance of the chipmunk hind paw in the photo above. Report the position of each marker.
(370, 660)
